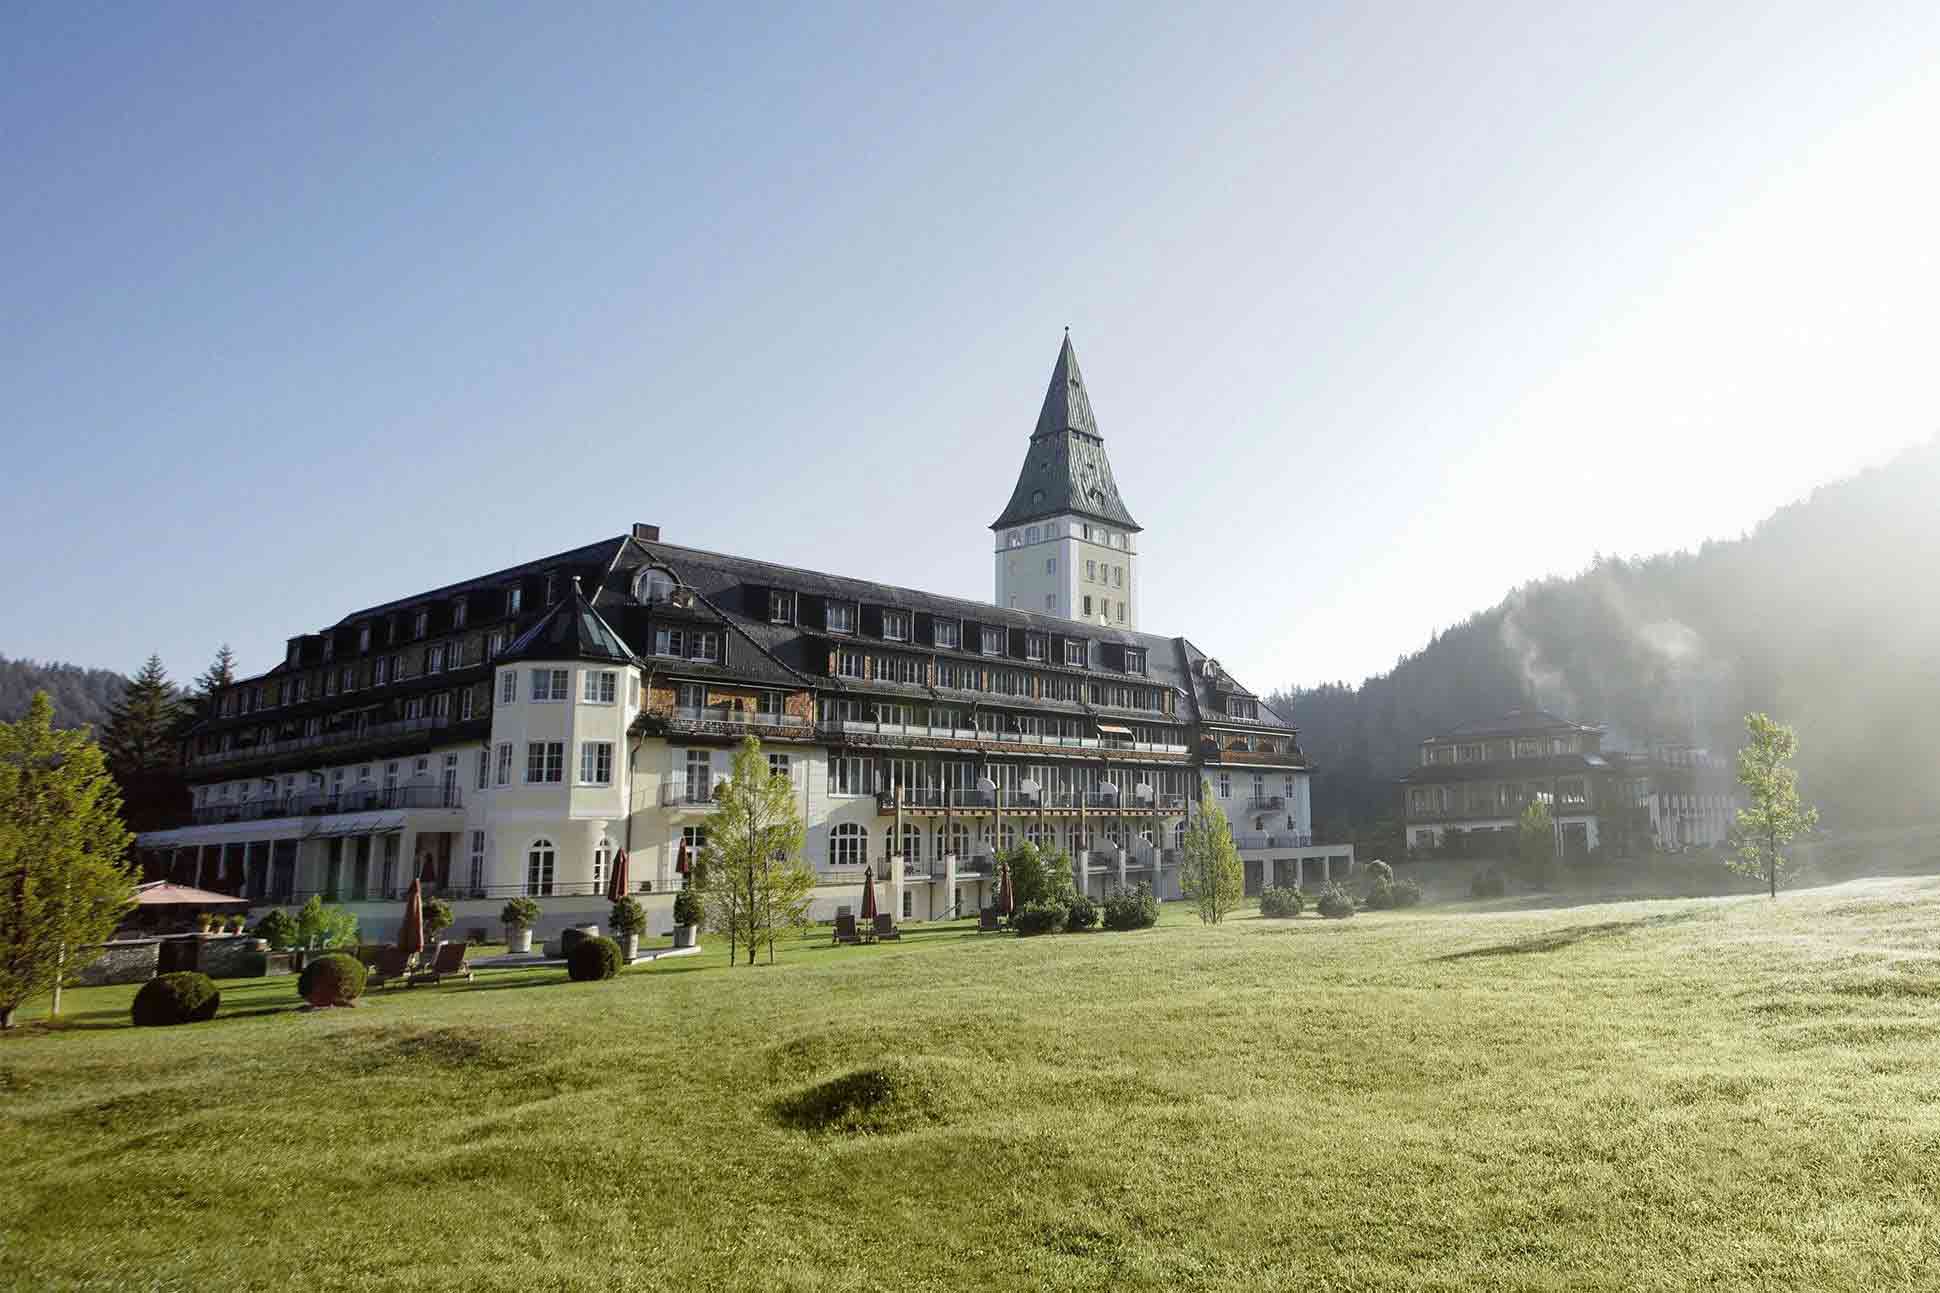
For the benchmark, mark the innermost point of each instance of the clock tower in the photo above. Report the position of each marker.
(1066, 545)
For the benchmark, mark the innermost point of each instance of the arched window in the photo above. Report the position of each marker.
(848, 845)
(1006, 837)
(1179, 834)
(653, 584)
(957, 837)
(912, 844)
(538, 868)
(602, 858)
(1045, 837)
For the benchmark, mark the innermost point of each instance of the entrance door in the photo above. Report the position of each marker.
(1252, 879)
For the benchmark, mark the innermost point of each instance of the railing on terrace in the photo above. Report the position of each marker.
(347, 892)
(721, 718)
(918, 731)
(319, 803)
(362, 733)
(1281, 840)
(1267, 801)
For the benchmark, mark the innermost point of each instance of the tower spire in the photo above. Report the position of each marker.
(1065, 466)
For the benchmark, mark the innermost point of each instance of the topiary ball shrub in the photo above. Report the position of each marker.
(1489, 882)
(1278, 902)
(186, 997)
(1407, 893)
(1133, 908)
(278, 927)
(1080, 914)
(1336, 903)
(1377, 871)
(592, 959)
(333, 980)
(1380, 895)
(1038, 918)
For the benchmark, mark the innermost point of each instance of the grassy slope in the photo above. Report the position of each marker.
(1702, 1093)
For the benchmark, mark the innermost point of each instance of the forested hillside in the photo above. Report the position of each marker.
(81, 696)
(1827, 616)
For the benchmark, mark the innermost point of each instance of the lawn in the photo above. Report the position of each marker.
(1723, 1093)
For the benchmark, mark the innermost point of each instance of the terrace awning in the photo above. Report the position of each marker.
(164, 893)
(359, 824)
(1113, 729)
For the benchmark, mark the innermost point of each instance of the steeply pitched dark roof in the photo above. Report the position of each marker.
(1513, 722)
(1065, 467)
(571, 630)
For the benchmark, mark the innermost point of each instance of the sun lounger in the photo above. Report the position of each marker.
(447, 963)
(845, 930)
(886, 930)
(391, 963)
(987, 922)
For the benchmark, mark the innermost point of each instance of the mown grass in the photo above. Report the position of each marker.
(1717, 1093)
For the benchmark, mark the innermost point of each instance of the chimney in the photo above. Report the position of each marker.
(651, 533)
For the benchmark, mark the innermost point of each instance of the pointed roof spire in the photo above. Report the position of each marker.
(1065, 467)
(1067, 407)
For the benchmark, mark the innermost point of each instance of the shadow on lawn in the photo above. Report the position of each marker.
(1555, 940)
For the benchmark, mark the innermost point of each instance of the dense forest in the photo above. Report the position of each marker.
(82, 697)
(1826, 616)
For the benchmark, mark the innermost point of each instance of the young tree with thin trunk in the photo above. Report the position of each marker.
(63, 886)
(1536, 843)
(1210, 871)
(1760, 833)
(753, 879)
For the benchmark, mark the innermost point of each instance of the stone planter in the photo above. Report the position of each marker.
(684, 935)
(518, 941)
(629, 946)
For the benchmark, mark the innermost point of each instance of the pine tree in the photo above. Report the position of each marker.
(142, 746)
(1761, 832)
(220, 674)
(1210, 871)
(63, 886)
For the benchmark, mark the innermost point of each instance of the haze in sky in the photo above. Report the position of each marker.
(1383, 308)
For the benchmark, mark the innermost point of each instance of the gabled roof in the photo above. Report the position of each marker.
(570, 630)
(1065, 466)
(1514, 722)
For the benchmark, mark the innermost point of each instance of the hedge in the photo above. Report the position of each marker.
(185, 997)
(333, 980)
(592, 959)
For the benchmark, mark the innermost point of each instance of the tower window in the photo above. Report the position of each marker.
(1050, 565)
(1030, 534)
(1015, 538)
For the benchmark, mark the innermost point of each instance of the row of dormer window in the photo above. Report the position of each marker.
(380, 672)
(1521, 747)
(965, 675)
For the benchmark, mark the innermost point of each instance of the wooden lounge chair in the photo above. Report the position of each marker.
(448, 962)
(391, 963)
(368, 952)
(987, 922)
(886, 930)
(845, 929)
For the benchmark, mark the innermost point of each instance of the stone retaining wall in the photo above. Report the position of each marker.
(126, 960)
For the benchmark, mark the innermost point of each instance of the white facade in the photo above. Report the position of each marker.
(1070, 566)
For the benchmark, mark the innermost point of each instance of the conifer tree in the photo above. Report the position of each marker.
(142, 745)
(220, 674)
(63, 885)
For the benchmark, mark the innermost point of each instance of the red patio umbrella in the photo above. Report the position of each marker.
(1003, 884)
(617, 887)
(410, 935)
(680, 863)
(868, 894)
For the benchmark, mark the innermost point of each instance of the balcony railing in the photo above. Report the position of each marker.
(681, 795)
(1266, 801)
(1281, 840)
(725, 721)
(361, 734)
(320, 803)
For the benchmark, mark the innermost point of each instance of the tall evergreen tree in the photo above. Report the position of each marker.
(63, 886)
(142, 746)
(221, 673)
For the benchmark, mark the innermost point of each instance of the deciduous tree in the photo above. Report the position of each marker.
(1760, 833)
(1536, 843)
(753, 878)
(1210, 871)
(63, 884)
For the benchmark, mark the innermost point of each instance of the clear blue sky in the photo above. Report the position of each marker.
(1383, 308)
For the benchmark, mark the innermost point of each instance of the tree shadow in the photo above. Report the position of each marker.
(1555, 940)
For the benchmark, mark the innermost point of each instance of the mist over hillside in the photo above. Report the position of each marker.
(1827, 616)
(82, 697)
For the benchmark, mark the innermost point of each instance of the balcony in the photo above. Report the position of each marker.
(1259, 802)
(720, 720)
(323, 803)
(899, 733)
(1283, 840)
(681, 794)
(362, 734)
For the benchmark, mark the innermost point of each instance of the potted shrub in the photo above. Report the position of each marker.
(437, 919)
(519, 916)
(202, 922)
(687, 917)
(629, 918)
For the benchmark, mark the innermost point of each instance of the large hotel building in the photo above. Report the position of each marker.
(509, 734)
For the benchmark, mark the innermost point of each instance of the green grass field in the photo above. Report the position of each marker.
(1713, 1093)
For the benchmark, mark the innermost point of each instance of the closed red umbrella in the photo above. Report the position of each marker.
(616, 889)
(680, 863)
(1003, 886)
(868, 894)
(410, 935)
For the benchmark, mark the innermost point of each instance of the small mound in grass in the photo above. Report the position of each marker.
(878, 1100)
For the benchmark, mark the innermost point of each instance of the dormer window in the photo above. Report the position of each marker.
(459, 610)
(653, 585)
(895, 625)
(552, 582)
(363, 638)
(296, 652)
(1134, 660)
(841, 617)
(329, 648)
(993, 640)
(420, 624)
(1074, 652)
(514, 600)
(1033, 646)
(781, 606)
(948, 633)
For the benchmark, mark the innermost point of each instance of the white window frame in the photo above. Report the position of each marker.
(550, 686)
(600, 687)
(895, 626)
(948, 633)
(844, 612)
(549, 758)
(596, 763)
(508, 687)
(504, 764)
